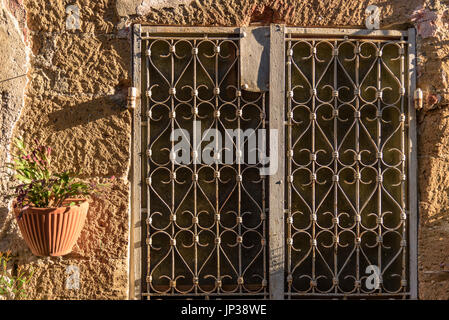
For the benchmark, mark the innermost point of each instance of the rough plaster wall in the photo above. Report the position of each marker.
(75, 102)
(13, 78)
(242, 12)
(433, 143)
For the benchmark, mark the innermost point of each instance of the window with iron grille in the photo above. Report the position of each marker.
(337, 218)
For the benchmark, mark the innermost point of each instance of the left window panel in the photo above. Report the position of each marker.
(205, 221)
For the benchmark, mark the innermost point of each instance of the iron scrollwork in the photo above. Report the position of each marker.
(206, 225)
(346, 166)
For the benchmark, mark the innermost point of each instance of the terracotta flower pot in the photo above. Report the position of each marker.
(52, 231)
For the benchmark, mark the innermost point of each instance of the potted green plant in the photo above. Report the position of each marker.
(50, 208)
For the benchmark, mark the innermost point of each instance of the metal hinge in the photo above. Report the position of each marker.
(418, 97)
(132, 96)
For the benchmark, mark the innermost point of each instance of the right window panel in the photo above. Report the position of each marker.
(347, 154)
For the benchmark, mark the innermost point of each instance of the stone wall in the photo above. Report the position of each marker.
(13, 78)
(75, 100)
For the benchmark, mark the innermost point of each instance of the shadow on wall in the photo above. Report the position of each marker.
(5, 226)
(86, 112)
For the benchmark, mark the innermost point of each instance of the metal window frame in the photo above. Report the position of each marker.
(409, 36)
(135, 247)
(413, 167)
(276, 111)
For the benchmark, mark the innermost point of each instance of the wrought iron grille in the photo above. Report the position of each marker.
(341, 102)
(206, 223)
(347, 157)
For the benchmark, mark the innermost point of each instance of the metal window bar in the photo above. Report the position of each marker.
(212, 233)
(143, 213)
(340, 105)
